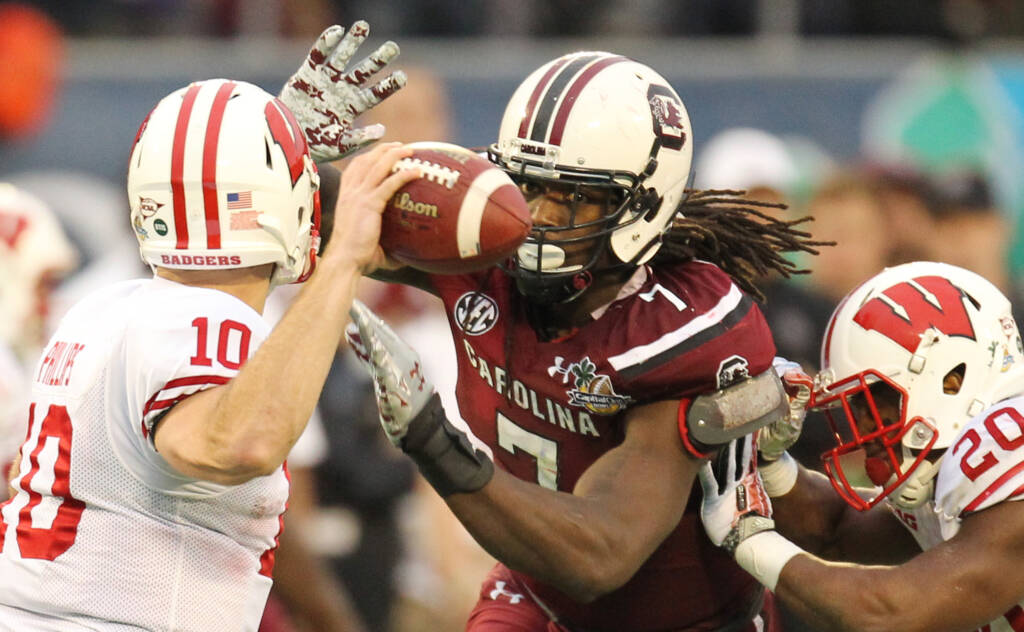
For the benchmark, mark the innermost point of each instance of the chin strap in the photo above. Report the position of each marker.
(554, 292)
(919, 488)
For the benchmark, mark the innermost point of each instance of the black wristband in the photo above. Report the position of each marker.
(444, 454)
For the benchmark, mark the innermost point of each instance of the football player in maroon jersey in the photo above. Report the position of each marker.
(578, 362)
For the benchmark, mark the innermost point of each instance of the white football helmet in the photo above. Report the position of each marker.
(35, 253)
(221, 177)
(935, 341)
(597, 119)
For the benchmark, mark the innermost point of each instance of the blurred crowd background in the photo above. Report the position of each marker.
(897, 124)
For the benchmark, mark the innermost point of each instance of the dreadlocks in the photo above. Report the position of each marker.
(733, 232)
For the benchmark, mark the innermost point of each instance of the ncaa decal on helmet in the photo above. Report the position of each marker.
(221, 177)
(937, 341)
(599, 120)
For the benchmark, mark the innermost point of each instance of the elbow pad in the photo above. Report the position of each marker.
(711, 420)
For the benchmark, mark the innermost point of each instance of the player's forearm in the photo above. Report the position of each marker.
(272, 398)
(851, 598)
(564, 540)
(811, 513)
(250, 427)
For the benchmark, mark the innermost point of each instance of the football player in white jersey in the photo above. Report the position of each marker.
(34, 254)
(923, 383)
(150, 488)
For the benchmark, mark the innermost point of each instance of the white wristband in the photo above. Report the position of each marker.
(779, 476)
(764, 554)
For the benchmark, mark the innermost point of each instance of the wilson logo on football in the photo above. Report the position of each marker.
(404, 202)
(475, 313)
(593, 390)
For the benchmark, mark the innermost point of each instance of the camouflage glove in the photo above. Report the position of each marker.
(326, 100)
(410, 410)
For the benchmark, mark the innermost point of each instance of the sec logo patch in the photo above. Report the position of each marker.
(475, 313)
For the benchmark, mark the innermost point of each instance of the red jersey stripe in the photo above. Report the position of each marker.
(183, 381)
(994, 487)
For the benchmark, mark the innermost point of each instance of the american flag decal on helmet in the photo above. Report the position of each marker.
(239, 200)
(552, 100)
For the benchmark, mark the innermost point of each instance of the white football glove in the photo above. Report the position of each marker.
(776, 438)
(401, 388)
(326, 100)
(735, 505)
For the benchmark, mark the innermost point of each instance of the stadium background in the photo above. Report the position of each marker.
(812, 69)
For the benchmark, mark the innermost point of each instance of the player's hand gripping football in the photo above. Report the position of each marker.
(774, 439)
(735, 505)
(411, 412)
(326, 99)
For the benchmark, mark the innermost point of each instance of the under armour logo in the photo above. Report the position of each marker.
(499, 590)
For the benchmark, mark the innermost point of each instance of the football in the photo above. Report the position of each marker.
(462, 215)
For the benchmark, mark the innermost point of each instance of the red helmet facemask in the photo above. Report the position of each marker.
(863, 397)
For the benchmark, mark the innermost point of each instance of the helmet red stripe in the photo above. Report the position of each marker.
(178, 167)
(574, 90)
(553, 95)
(531, 105)
(210, 199)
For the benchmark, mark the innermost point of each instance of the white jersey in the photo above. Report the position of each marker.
(102, 533)
(983, 466)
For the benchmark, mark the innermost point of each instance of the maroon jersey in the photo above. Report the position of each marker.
(549, 409)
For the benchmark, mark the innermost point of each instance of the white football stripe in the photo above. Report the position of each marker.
(472, 211)
(636, 355)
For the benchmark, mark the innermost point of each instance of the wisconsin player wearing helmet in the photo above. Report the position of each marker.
(151, 484)
(578, 362)
(35, 254)
(923, 380)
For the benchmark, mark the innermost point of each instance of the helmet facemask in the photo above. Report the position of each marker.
(867, 414)
(556, 263)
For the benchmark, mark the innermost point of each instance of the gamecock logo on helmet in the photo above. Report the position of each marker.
(666, 112)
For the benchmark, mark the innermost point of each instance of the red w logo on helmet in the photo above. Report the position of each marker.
(287, 134)
(915, 306)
